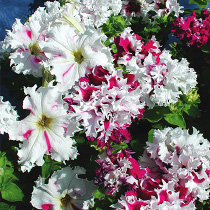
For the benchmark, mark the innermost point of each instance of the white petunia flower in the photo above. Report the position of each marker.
(27, 56)
(69, 15)
(94, 12)
(64, 191)
(72, 55)
(46, 130)
(161, 78)
(8, 116)
(141, 8)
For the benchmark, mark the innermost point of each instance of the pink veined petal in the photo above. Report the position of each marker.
(49, 147)
(67, 70)
(36, 59)
(28, 33)
(55, 105)
(46, 206)
(27, 134)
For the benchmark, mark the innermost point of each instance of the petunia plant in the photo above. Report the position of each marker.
(110, 113)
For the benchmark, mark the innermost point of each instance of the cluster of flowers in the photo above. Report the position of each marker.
(89, 93)
(193, 30)
(160, 77)
(172, 174)
(143, 8)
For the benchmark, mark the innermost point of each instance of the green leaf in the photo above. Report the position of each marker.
(150, 135)
(50, 166)
(192, 110)
(118, 147)
(114, 26)
(5, 206)
(175, 119)
(79, 139)
(200, 3)
(206, 48)
(99, 194)
(156, 114)
(6, 170)
(12, 193)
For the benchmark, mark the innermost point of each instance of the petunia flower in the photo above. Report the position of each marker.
(46, 130)
(64, 191)
(72, 54)
(183, 159)
(111, 104)
(8, 116)
(27, 56)
(96, 13)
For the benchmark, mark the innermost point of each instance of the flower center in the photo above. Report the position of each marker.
(65, 201)
(45, 122)
(78, 56)
(35, 49)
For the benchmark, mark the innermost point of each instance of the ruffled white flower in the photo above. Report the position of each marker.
(110, 106)
(187, 158)
(72, 55)
(143, 7)
(94, 12)
(46, 130)
(8, 116)
(23, 40)
(69, 15)
(161, 78)
(64, 191)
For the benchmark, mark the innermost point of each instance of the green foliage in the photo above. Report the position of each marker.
(206, 48)
(203, 206)
(175, 119)
(79, 139)
(63, 2)
(12, 193)
(155, 114)
(200, 3)
(175, 113)
(150, 135)
(160, 28)
(5, 206)
(114, 26)
(9, 190)
(176, 50)
(118, 147)
(103, 200)
(50, 166)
